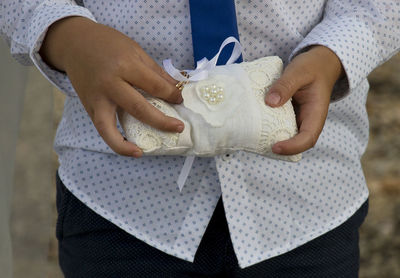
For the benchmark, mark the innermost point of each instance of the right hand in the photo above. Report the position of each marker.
(103, 65)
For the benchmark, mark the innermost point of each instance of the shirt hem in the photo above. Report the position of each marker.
(310, 236)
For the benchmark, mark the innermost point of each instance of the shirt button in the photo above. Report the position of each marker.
(226, 157)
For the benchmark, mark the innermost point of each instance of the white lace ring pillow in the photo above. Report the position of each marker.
(224, 113)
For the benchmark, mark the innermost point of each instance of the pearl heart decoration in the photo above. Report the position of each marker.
(213, 94)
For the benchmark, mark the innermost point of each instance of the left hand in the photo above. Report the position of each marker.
(309, 80)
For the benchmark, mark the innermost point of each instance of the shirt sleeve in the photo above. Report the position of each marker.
(363, 34)
(24, 24)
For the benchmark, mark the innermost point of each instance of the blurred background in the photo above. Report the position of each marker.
(33, 212)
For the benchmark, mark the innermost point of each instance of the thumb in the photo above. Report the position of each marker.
(286, 86)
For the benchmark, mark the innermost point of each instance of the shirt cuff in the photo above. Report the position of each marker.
(353, 44)
(45, 15)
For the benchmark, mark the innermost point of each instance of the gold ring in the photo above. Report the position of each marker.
(181, 84)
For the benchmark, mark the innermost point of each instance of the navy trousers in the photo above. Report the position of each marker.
(92, 247)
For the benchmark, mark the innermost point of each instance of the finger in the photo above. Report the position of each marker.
(104, 119)
(292, 80)
(146, 59)
(312, 118)
(151, 82)
(135, 104)
(299, 143)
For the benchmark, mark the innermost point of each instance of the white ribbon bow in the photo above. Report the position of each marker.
(204, 65)
(200, 73)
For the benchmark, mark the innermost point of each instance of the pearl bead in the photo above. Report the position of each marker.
(212, 100)
(206, 95)
(220, 97)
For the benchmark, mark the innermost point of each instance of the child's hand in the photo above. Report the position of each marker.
(309, 79)
(103, 64)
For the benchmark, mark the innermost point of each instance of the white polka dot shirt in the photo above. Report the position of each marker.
(271, 206)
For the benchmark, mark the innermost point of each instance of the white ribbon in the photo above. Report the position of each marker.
(200, 73)
(185, 171)
(204, 65)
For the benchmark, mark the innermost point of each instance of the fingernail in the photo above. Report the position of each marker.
(277, 149)
(180, 99)
(180, 128)
(137, 153)
(273, 98)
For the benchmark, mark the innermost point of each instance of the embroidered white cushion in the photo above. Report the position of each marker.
(224, 113)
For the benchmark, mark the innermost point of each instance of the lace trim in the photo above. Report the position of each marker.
(146, 137)
(277, 123)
